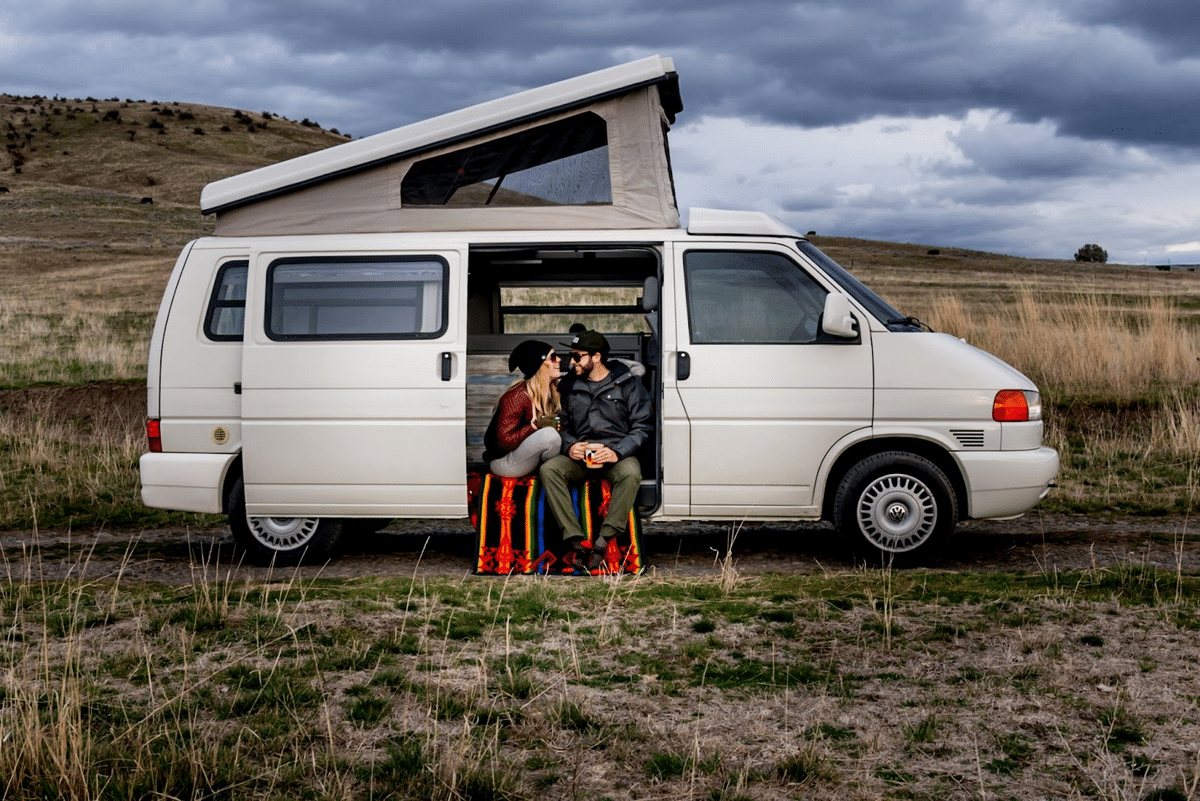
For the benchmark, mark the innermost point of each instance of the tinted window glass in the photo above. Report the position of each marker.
(356, 299)
(877, 306)
(226, 316)
(749, 297)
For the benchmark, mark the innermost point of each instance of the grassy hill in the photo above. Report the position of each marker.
(83, 259)
(166, 151)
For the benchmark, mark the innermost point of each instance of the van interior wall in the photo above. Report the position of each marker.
(539, 293)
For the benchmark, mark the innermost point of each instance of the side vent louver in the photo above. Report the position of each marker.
(969, 439)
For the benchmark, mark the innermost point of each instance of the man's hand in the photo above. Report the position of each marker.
(604, 455)
(601, 454)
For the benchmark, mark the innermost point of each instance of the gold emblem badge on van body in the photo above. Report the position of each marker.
(220, 435)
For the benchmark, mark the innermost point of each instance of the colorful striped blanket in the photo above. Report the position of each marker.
(517, 532)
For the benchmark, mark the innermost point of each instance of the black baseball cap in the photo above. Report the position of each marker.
(591, 341)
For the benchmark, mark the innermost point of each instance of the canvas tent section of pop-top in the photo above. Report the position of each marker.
(585, 153)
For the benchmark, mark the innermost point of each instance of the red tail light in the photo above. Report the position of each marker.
(1016, 406)
(154, 434)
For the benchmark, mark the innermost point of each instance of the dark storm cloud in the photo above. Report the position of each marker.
(1170, 26)
(1037, 152)
(1114, 70)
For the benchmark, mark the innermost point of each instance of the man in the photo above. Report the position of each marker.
(605, 419)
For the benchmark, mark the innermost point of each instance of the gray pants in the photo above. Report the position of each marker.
(538, 447)
(625, 475)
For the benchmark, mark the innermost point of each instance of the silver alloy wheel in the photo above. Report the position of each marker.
(897, 513)
(282, 533)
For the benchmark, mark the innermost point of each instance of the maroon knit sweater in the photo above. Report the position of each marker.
(511, 424)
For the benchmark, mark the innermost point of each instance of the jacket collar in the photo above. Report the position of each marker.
(620, 374)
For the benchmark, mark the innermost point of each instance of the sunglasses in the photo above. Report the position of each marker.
(553, 357)
(577, 356)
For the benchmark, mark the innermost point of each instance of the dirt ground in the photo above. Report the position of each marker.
(428, 548)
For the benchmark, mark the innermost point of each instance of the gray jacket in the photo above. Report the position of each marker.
(619, 416)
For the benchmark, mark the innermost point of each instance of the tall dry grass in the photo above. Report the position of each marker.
(1088, 346)
(57, 470)
(842, 684)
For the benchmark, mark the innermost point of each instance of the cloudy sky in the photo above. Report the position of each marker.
(1028, 127)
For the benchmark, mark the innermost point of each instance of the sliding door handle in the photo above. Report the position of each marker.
(683, 366)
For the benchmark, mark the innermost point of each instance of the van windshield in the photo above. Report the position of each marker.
(877, 306)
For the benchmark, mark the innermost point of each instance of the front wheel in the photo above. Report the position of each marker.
(282, 541)
(894, 505)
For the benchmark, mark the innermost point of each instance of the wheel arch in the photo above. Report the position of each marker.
(860, 450)
(231, 476)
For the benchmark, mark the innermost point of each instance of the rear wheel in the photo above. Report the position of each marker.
(895, 505)
(282, 541)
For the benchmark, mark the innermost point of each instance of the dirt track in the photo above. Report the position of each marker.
(1035, 543)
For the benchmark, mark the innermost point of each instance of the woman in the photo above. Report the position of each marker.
(524, 429)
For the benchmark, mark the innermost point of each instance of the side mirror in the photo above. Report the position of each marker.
(837, 319)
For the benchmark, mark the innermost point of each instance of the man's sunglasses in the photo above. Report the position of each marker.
(577, 356)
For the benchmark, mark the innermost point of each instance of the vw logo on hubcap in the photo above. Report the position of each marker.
(897, 512)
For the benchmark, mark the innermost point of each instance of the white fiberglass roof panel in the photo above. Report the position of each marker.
(438, 131)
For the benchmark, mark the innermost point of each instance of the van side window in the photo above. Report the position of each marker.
(356, 298)
(226, 315)
(740, 296)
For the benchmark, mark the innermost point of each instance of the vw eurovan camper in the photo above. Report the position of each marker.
(329, 358)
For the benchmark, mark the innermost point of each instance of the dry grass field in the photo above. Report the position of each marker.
(860, 684)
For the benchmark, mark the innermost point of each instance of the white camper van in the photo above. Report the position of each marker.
(330, 357)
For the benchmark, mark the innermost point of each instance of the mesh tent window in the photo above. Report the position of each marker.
(563, 163)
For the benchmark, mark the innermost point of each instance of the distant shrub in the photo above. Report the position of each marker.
(1092, 253)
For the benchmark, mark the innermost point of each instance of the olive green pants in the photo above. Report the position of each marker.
(625, 476)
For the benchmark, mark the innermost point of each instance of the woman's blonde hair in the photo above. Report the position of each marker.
(544, 395)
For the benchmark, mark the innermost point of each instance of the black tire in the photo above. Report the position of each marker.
(282, 541)
(894, 506)
(364, 526)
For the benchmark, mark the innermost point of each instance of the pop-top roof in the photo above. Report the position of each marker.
(588, 152)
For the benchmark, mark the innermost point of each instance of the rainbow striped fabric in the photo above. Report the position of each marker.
(517, 532)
